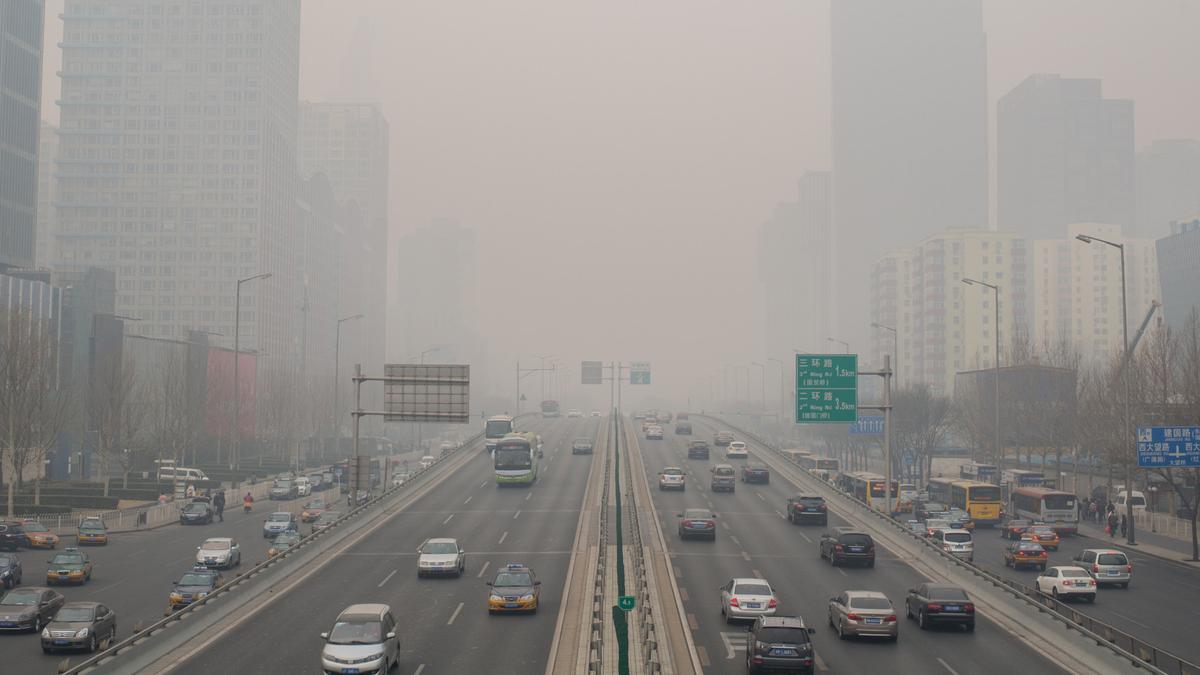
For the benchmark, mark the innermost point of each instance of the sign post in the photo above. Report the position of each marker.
(591, 372)
(1167, 447)
(826, 388)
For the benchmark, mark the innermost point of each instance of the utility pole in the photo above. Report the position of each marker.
(886, 407)
(996, 378)
(337, 348)
(235, 454)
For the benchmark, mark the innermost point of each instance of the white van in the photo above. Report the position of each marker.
(1138, 500)
(303, 486)
(180, 473)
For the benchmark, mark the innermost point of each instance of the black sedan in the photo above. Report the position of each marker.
(931, 604)
(29, 608)
(756, 473)
(697, 523)
(581, 446)
(196, 513)
(697, 450)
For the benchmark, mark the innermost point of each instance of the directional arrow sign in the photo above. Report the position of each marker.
(1168, 446)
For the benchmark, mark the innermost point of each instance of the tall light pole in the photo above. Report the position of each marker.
(235, 455)
(782, 397)
(542, 374)
(845, 345)
(337, 349)
(895, 349)
(1130, 539)
(762, 383)
(996, 378)
(421, 358)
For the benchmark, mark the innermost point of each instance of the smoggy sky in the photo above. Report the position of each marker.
(616, 158)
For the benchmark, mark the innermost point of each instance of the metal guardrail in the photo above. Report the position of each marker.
(305, 542)
(1137, 651)
(645, 615)
(595, 662)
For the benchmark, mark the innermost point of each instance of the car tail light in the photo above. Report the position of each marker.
(890, 618)
(687, 523)
(1129, 568)
(821, 507)
(871, 548)
(838, 547)
(852, 617)
(772, 604)
(969, 608)
(1096, 569)
(733, 602)
(933, 607)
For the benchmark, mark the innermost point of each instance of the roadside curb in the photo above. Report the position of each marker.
(1185, 563)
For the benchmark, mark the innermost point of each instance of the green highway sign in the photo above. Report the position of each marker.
(639, 372)
(626, 603)
(826, 388)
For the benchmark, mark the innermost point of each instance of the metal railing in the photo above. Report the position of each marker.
(648, 629)
(595, 662)
(1136, 650)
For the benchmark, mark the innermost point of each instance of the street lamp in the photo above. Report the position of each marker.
(996, 379)
(1131, 539)
(237, 359)
(843, 343)
(895, 348)
(337, 360)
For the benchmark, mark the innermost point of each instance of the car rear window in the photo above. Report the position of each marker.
(870, 603)
(812, 500)
(752, 589)
(1072, 572)
(947, 594)
(787, 636)
(855, 539)
(1112, 559)
(673, 472)
(723, 471)
(958, 537)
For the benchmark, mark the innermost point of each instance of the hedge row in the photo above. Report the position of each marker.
(72, 502)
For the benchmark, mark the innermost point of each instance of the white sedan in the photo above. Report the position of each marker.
(737, 450)
(1067, 582)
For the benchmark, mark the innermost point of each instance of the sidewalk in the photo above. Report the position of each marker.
(1149, 543)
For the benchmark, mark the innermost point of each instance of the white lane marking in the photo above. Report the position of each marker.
(805, 536)
(760, 496)
(419, 669)
(841, 571)
(467, 502)
(746, 557)
(517, 514)
(385, 579)
(447, 518)
(780, 514)
(528, 496)
(735, 540)
(1127, 618)
(483, 484)
(757, 574)
(819, 661)
(483, 569)
(947, 666)
(105, 588)
(503, 537)
(455, 614)
(734, 642)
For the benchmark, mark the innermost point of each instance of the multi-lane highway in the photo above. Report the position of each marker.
(754, 540)
(445, 626)
(134, 572)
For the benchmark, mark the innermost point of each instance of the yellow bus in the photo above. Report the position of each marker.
(869, 487)
(981, 501)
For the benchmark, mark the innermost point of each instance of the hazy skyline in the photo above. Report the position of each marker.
(617, 160)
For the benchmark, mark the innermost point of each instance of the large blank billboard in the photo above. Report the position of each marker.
(419, 392)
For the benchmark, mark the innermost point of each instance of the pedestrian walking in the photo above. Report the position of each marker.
(219, 504)
(1112, 525)
(1124, 525)
(1094, 512)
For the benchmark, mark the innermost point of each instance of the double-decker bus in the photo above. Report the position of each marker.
(981, 472)
(824, 467)
(550, 409)
(869, 487)
(981, 501)
(495, 428)
(1056, 508)
(516, 459)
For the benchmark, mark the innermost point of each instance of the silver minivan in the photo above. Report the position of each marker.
(957, 542)
(362, 640)
(1108, 566)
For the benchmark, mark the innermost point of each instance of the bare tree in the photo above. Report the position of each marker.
(109, 409)
(173, 422)
(920, 421)
(32, 407)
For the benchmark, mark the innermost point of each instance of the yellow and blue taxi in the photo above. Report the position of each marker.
(72, 566)
(193, 586)
(92, 531)
(515, 589)
(39, 535)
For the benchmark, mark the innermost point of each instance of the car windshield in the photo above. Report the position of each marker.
(74, 614)
(279, 517)
(870, 603)
(672, 472)
(583, 443)
(698, 514)
(787, 636)
(1030, 546)
(215, 546)
(21, 598)
(356, 633)
(1040, 531)
(92, 527)
(1111, 559)
(440, 548)
(285, 484)
(35, 527)
(751, 589)
(195, 506)
(1072, 572)
(315, 504)
(513, 579)
(934, 507)
(195, 579)
(937, 523)
(67, 559)
(958, 537)
(947, 594)
(514, 458)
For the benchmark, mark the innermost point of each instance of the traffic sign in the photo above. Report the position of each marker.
(826, 388)
(1163, 447)
(626, 603)
(870, 425)
(591, 372)
(639, 372)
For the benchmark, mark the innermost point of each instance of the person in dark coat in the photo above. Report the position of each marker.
(219, 504)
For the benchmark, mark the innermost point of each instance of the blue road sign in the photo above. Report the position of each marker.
(870, 425)
(1163, 447)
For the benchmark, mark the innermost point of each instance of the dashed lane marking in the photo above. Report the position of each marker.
(387, 578)
(503, 537)
(467, 502)
(692, 623)
(805, 537)
(757, 574)
(447, 518)
(745, 556)
(841, 571)
(734, 642)
(735, 540)
(483, 569)
(455, 614)
(419, 669)
(947, 667)
(517, 514)
(528, 496)
(702, 653)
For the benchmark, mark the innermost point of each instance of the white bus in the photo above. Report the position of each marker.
(495, 428)
(1055, 508)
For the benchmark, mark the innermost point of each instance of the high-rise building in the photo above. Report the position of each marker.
(1064, 154)
(794, 268)
(348, 144)
(180, 174)
(46, 226)
(20, 114)
(909, 132)
(945, 326)
(1168, 185)
(1179, 273)
(437, 294)
(1077, 289)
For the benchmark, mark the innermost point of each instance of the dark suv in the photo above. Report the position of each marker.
(804, 509)
(779, 643)
(845, 545)
(724, 478)
(581, 446)
(698, 450)
(12, 536)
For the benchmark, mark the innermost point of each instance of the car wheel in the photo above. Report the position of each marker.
(871, 564)
(840, 633)
(907, 610)
(969, 626)
(1125, 585)
(37, 624)
(922, 621)
(1054, 592)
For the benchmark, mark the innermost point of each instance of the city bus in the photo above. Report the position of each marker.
(1022, 478)
(869, 487)
(939, 489)
(794, 454)
(1055, 508)
(549, 408)
(980, 500)
(824, 467)
(495, 428)
(981, 472)
(516, 459)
